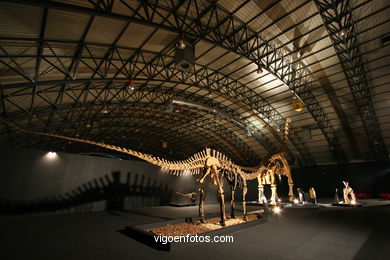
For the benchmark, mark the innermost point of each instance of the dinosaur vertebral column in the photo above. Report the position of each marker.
(207, 162)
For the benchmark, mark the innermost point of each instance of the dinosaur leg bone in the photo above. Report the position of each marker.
(205, 174)
(201, 202)
(291, 190)
(232, 205)
(244, 191)
(220, 194)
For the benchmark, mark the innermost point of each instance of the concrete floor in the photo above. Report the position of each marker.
(297, 233)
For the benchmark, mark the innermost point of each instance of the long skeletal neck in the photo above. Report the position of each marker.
(192, 165)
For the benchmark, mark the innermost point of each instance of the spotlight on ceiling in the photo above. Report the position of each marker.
(342, 33)
(181, 43)
(259, 69)
(131, 85)
(105, 109)
(297, 105)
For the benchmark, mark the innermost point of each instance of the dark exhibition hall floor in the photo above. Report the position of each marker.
(297, 233)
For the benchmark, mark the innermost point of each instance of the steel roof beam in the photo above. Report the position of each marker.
(245, 42)
(338, 21)
(204, 78)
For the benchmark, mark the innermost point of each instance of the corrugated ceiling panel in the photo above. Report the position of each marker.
(17, 21)
(105, 30)
(160, 40)
(72, 26)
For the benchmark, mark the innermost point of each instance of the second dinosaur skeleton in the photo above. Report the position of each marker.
(190, 197)
(208, 163)
(348, 193)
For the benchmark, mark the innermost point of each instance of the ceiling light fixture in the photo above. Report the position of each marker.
(105, 110)
(342, 33)
(131, 85)
(181, 43)
(297, 105)
(259, 69)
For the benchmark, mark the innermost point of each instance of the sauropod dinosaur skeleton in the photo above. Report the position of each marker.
(208, 162)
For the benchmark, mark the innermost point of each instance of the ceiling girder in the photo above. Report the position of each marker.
(242, 40)
(162, 70)
(338, 20)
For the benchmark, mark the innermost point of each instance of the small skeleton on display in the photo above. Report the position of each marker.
(348, 192)
(190, 197)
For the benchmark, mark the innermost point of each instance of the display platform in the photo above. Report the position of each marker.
(148, 233)
(182, 204)
(285, 205)
(254, 203)
(301, 205)
(357, 204)
(265, 205)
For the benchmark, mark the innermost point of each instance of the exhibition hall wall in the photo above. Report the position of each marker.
(37, 180)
